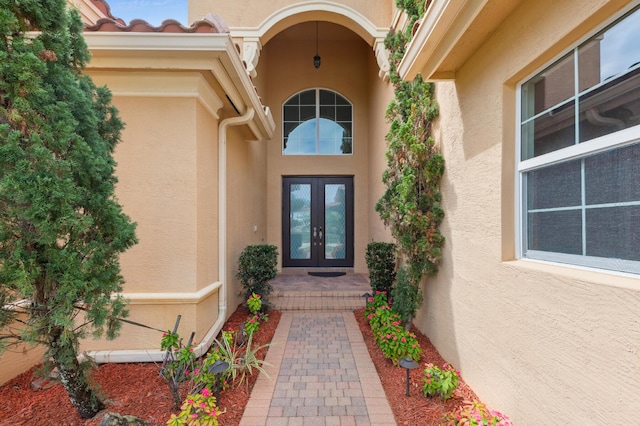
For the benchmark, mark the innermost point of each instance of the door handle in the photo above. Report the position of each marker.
(321, 235)
(315, 234)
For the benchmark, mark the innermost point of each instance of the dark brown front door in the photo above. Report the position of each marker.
(317, 221)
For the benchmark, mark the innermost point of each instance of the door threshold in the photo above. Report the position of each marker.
(291, 270)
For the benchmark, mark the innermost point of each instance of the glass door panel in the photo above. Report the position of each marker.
(317, 222)
(300, 221)
(335, 221)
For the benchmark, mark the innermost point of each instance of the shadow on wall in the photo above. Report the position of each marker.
(436, 316)
(480, 112)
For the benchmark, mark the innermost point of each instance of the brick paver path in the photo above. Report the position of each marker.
(321, 374)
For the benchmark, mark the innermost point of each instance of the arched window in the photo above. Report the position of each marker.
(317, 122)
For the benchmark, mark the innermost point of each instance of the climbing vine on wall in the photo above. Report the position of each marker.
(410, 205)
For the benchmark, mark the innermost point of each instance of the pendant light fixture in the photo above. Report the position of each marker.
(316, 59)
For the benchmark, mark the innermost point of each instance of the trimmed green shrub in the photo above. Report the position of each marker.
(381, 262)
(256, 267)
(406, 297)
(393, 340)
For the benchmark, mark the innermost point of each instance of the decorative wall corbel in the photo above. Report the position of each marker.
(382, 56)
(251, 48)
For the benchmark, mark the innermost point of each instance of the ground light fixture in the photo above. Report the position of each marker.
(366, 298)
(409, 364)
(216, 369)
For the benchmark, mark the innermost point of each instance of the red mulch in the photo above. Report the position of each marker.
(134, 389)
(415, 409)
(138, 390)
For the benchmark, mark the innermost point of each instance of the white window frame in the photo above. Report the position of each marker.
(578, 151)
(317, 117)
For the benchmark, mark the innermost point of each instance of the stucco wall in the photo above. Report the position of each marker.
(246, 204)
(380, 94)
(251, 13)
(546, 344)
(18, 359)
(289, 69)
(167, 183)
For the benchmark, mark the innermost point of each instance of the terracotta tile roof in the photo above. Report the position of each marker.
(211, 23)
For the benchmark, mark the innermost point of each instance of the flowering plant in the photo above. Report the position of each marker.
(394, 341)
(197, 409)
(252, 325)
(227, 336)
(440, 382)
(397, 343)
(178, 364)
(376, 301)
(475, 413)
(204, 378)
(254, 303)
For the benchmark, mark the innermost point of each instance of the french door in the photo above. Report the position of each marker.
(317, 221)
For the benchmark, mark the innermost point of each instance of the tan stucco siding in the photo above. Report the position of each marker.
(380, 94)
(157, 186)
(545, 344)
(207, 198)
(167, 183)
(251, 13)
(18, 359)
(246, 204)
(344, 70)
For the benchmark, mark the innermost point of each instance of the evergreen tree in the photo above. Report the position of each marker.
(61, 228)
(410, 205)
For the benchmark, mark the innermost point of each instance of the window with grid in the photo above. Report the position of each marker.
(579, 165)
(317, 122)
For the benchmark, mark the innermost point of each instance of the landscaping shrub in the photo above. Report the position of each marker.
(406, 297)
(197, 409)
(182, 371)
(440, 382)
(381, 262)
(475, 413)
(256, 267)
(394, 341)
(254, 303)
(252, 325)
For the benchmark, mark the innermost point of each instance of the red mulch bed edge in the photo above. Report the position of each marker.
(128, 389)
(415, 409)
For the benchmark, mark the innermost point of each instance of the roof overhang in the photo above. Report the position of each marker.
(212, 54)
(449, 33)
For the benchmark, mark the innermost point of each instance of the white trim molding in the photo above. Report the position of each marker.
(172, 298)
(215, 54)
(329, 10)
(255, 37)
(449, 33)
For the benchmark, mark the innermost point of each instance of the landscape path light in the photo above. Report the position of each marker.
(409, 364)
(366, 298)
(217, 368)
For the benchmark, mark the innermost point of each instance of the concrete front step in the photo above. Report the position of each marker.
(317, 300)
(297, 290)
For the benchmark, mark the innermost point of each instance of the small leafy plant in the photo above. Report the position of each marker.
(394, 341)
(440, 382)
(252, 325)
(475, 413)
(254, 303)
(179, 363)
(242, 361)
(198, 409)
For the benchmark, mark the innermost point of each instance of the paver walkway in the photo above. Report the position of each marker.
(320, 374)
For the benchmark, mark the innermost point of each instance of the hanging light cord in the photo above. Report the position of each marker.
(316, 59)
